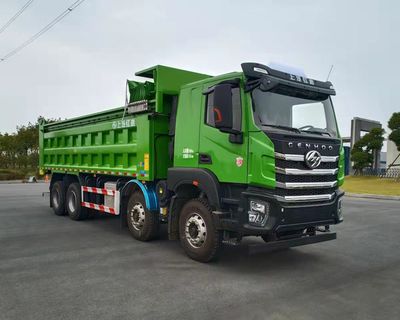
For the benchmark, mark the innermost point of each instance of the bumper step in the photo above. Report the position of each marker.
(282, 244)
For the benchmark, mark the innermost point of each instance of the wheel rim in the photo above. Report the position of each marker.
(72, 202)
(137, 215)
(55, 198)
(195, 230)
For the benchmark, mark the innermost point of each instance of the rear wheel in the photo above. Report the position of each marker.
(73, 202)
(199, 237)
(58, 198)
(142, 223)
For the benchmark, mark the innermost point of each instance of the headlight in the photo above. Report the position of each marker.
(258, 212)
(257, 206)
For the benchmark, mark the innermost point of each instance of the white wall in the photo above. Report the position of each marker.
(392, 153)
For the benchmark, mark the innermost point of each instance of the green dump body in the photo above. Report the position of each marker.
(115, 142)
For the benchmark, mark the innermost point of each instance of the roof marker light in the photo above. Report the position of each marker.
(261, 70)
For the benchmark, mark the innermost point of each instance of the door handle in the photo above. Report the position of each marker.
(205, 158)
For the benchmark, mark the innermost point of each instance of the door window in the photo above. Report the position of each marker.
(213, 114)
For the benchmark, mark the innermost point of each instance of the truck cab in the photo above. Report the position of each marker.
(263, 146)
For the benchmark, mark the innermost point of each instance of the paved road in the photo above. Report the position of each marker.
(55, 268)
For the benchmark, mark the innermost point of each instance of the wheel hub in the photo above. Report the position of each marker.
(137, 215)
(195, 230)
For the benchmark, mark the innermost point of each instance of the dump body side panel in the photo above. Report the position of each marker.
(116, 145)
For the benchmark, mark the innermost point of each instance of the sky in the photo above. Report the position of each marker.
(81, 65)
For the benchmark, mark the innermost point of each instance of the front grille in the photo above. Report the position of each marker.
(307, 178)
(295, 181)
(295, 184)
(301, 192)
(280, 163)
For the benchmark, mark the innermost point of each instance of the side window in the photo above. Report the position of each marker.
(237, 109)
(213, 115)
(210, 110)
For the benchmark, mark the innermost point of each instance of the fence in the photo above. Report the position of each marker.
(393, 173)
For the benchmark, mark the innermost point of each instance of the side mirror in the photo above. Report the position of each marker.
(223, 107)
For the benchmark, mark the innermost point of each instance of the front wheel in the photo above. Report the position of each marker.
(198, 235)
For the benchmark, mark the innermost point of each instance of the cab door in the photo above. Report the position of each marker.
(223, 153)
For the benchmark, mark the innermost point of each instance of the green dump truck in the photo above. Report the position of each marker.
(216, 158)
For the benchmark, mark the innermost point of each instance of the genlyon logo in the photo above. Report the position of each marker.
(312, 159)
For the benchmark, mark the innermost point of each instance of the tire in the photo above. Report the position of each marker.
(58, 198)
(73, 202)
(142, 223)
(198, 235)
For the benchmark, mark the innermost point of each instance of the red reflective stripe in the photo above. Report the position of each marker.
(99, 191)
(98, 207)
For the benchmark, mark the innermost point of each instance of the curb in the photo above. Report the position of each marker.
(372, 196)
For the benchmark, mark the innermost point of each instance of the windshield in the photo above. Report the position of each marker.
(294, 113)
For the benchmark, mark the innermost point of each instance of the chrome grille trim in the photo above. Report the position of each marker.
(319, 197)
(305, 185)
(300, 157)
(299, 172)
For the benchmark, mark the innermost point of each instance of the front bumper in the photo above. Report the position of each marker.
(283, 217)
(289, 243)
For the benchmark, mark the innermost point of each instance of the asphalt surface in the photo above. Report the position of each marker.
(54, 268)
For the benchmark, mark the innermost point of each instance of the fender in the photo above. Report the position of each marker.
(207, 182)
(150, 195)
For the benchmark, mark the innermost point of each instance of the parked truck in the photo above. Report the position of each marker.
(216, 158)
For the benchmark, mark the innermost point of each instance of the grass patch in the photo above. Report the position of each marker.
(371, 185)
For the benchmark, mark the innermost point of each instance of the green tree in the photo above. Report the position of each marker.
(365, 149)
(361, 159)
(9, 150)
(374, 139)
(27, 145)
(3, 161)
(394, 125)
(20, 150)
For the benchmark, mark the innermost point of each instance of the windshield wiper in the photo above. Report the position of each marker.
(321, 132)
(281, 127)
